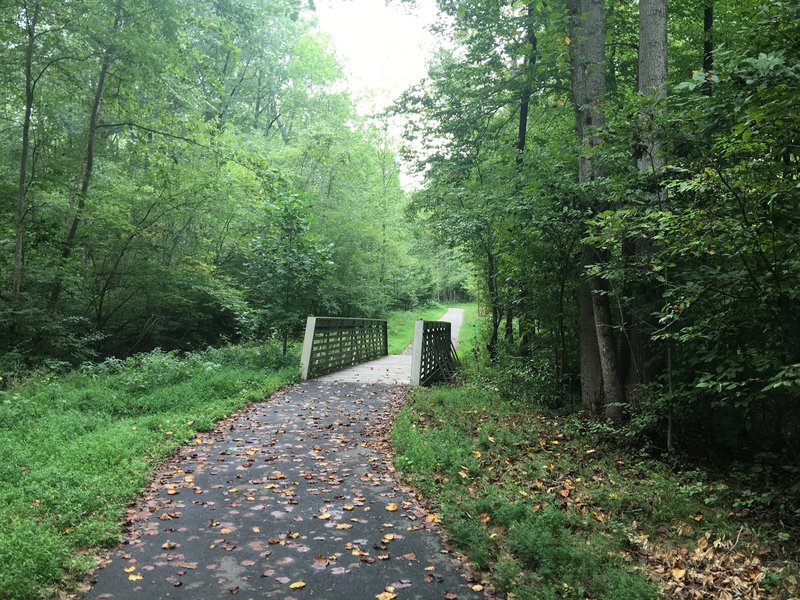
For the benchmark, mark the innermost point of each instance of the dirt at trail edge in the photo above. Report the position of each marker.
(294, 497)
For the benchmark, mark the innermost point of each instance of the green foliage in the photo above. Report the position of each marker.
(233, 188)
(76, 450)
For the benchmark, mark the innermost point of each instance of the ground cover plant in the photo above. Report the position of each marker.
(546, 508)
(76, 450)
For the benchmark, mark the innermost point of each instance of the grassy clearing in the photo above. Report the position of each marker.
(401, 325)
(547, 510)
(76, 450)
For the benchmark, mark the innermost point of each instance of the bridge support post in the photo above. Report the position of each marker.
(308, 344)
(416, 353)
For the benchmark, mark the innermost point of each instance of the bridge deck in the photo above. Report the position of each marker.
(393, 370)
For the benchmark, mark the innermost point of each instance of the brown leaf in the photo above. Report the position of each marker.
(678, 573)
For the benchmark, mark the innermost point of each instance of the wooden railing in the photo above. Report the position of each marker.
(332, 344)
(433, 357)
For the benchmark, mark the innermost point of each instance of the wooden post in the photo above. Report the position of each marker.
(308, 344)
(416, 353)
(385, 334)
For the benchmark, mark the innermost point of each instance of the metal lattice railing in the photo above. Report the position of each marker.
(333, 343)
(434, 356)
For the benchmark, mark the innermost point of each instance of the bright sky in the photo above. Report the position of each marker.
(383, 48)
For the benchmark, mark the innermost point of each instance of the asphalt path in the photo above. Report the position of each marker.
(295, 497)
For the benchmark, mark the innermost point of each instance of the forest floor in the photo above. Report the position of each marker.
(545, 507)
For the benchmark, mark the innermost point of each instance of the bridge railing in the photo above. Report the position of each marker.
(433, 356)
(333, 343)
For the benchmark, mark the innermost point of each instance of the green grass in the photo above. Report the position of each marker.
(76, 450)
(401, 325)
(468, 336)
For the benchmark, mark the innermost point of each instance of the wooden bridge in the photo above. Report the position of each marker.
(355, 351)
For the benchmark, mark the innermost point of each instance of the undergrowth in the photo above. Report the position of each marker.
(76, 450)
(544, 507)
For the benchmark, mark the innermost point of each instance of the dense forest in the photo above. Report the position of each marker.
(610, 189)
(177, 174)
(624, 178)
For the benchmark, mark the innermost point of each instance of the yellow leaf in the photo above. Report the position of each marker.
(135, 577)
(256, 529)
(433, 518)
(386, 596)
(348, 507)
(130, 569)
(567, 40)
(169, 545)
(476, 454)
(477, 587)
(297, 585)
(392, 507)
(343, 526)
(324, 516)
(678, 573)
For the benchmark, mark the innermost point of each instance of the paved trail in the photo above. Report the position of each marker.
(294, 489)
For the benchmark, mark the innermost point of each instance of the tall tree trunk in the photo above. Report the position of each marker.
(652, 77)
(87, 162)
(587, 58)
(19, 228)
(525, 326)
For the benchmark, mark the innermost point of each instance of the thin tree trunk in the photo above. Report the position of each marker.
(19, 228)
(708, 44)
(613, 391)
(87, 164)
(525, 326)
(591, 371)
(491, 283)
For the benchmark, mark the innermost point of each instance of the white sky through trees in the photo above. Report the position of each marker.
(382, 47)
